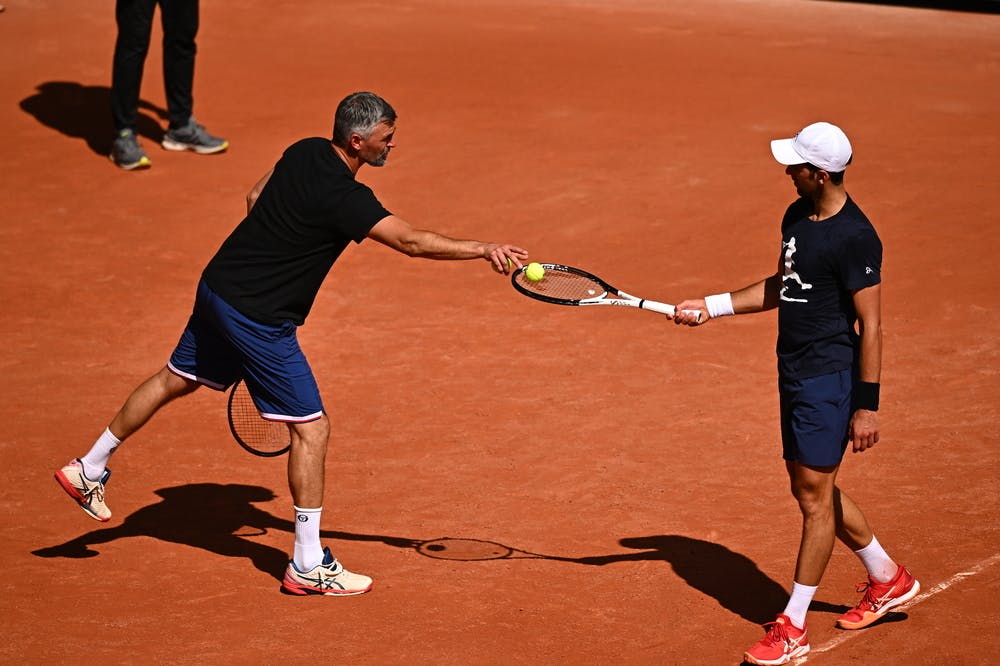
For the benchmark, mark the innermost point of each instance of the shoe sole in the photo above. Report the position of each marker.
(81, 501)
(800, 651)
(169, 144)
(871, 618)
(144, 163)
(307, 590)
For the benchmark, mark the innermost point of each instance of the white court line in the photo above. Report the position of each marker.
(924, 596)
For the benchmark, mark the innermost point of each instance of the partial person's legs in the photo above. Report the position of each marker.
(813, 488)
(307, 460)
(786, 638)
(180, 27)
(135, 23)
(313, 569)
(306, 472)
(889, 584)
(147, 399)
(83, 478)
(855, 533)
(144, 401)
(852, 526)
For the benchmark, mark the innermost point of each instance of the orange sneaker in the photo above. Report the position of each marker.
(782, 643)
(879, 598)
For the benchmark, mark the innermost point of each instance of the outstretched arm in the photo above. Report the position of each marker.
(402, 237)
(757, 297)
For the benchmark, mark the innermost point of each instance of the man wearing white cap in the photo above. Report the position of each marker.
(827, 292)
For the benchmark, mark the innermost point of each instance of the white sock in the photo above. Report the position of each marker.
(798, 604)
(96, 460)
(878, 563)
(308, 551)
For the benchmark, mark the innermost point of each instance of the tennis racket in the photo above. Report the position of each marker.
(252, 431)
(565, 285)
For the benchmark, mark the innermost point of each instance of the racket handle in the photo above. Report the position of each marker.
(696, 313)
(667, 309)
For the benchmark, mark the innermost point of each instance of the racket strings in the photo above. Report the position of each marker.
(251, 428)
(563, 285)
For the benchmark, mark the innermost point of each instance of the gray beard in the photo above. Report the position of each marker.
(378, 161)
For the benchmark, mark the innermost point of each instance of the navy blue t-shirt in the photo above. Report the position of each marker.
(272, 265)
(822, 264)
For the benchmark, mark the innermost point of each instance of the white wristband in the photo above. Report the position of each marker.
(719, 305)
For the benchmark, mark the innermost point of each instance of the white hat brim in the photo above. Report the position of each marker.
(784, 151)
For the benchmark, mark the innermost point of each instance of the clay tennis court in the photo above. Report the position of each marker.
(525, 483)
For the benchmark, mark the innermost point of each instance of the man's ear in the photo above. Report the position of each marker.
(821, 176)
(355, 141)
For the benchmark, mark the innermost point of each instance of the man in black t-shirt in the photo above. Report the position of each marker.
(254, 294)
(827, 290)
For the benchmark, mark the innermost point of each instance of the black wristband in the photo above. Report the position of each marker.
(866, 396)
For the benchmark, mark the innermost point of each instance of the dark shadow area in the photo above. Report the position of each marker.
(978, 6)
(222, 519)
(728, 577)
(219, 518)
(84, 112)
(215, 517)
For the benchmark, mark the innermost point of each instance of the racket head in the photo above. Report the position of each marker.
(466, 550)
(562, 285)
(252, 431)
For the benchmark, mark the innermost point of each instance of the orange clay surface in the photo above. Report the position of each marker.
(526, 483)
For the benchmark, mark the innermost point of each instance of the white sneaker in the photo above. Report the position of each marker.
(88, 494)
(328, 577)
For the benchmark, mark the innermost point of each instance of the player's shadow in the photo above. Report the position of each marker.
(84, 112)
(215, 517)
(730, 578)
(222, 519)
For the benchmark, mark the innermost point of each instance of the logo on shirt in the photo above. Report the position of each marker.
(791, 278)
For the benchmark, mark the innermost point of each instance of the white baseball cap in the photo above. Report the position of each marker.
(821, 144)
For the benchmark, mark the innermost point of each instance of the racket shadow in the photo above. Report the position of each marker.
(731, 578)
(223, 519)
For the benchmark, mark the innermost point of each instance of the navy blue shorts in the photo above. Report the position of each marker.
(221, 345)
(815, 418)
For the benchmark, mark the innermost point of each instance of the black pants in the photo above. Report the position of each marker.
(179, 19)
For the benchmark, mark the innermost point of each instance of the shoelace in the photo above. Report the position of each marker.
(777, 633)
(871, 598)
(97, 490)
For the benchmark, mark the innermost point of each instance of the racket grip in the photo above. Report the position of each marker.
(696, 313)
(665, 308)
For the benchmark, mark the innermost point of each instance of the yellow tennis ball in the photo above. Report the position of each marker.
(534, 272)
(510, 265)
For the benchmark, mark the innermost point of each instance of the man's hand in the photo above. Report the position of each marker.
(864, 430)
(504, 258)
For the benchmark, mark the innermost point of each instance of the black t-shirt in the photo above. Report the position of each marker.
(822, 263)
(272, 265)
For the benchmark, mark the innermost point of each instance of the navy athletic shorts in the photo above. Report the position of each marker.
(815, 418)
(221, 345)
